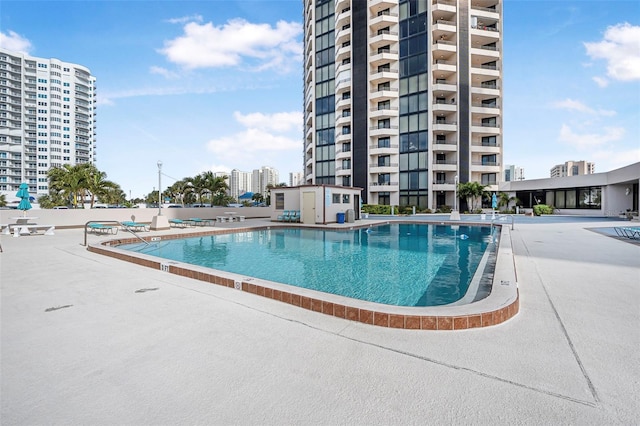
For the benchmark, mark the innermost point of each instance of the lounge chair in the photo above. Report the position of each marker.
(99, 228)
(179, 223)
(196, 221)
(284, 217)
(134, 226)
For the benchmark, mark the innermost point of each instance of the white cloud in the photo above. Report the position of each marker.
(279, 122)
(572, 105)
(601, 81)
(235, 43)
(185, 19)
(621, 49)
(15, 42)
(169, 75)
(265, 138)
(589, 140)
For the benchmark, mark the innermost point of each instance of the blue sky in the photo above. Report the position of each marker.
(216, 85)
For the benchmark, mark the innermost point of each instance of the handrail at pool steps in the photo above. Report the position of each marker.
(87, 226)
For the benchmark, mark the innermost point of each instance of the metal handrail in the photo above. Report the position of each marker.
(86, 225)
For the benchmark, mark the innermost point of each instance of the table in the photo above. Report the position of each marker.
(23, 220)
(230, 215)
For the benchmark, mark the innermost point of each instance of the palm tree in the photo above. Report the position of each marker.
(3, 200)
(69, 181)
(198, 185)
(504, 199)
(97, 183)
(471, 191)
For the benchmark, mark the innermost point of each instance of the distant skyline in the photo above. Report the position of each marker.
(217, 85)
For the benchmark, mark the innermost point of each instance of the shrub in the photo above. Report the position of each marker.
(376, 209)
(541, 209)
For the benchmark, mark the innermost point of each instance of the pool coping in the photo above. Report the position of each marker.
(499, 306)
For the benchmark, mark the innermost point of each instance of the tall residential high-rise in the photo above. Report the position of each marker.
(262, 177)
(403, 97)
(512, 173)
(239, 183)
(572, 168)
(47, 119)
(296, 178)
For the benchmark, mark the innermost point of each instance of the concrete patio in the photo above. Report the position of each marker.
(88, 339)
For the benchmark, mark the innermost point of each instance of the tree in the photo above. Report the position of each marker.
(198, 185)
(257, 198)
(3, 200)
(69, 181)
(98, 185)
(504, 199)
(471, 191)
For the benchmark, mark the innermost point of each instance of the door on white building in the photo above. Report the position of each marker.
(309, 208)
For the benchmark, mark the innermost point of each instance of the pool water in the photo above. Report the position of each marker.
(395, 264)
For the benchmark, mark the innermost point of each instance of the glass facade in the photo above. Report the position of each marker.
(325, 92)
(414, 104)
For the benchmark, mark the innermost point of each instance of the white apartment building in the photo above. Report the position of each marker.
(573, 168)
(296, 178)
(47, 119)
(239, 183)
(512, 173)
(403, 98)
(263, 177)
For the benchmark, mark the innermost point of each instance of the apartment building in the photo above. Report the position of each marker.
(47, 119)
(263, 177)
(572, 168)
(239, 183)
(512, 173)
(403, 98)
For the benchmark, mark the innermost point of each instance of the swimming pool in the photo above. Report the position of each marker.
(401, 264)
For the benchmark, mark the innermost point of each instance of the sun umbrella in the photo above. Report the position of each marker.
(23, 194)
(494, 201)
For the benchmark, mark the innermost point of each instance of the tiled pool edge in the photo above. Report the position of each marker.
(501, 305)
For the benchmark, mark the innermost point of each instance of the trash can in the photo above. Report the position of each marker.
(350, 216)
(340, 217)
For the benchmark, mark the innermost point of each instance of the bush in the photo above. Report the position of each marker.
(541, 209)
(376, 209)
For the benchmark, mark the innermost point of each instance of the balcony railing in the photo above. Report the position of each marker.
(375, 166)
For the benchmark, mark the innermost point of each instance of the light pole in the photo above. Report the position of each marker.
(159, 188)
(455, 193)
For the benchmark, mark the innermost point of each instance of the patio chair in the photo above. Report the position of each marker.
(134, 226)
(196, 221)
(294, 216)
(284, 217)
(179, 223)
(100, 228)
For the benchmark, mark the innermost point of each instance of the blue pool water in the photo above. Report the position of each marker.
(394, 264)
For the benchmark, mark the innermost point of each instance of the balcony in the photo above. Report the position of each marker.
(383, 187)
(445, 146)
(445, 125)
(343, 18)
(381, 21)
(383, 76)
(441, 47)
(444, 106)
(442, 27)
(383, 131)
(383, 112)
(483, 53)
(444, 165)
(443, 67)
(383, 38)
(384, 94)
(383, 57)
(480, 128)
(378, 150)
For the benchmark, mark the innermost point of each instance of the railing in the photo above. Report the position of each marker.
(437, 142)
(86, 228)
(375, 166)
(442, 21)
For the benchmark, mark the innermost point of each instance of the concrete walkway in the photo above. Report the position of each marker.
(87, 339)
